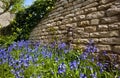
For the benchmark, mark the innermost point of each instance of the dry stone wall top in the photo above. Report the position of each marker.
(77, 21)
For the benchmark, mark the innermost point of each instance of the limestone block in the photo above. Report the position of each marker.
(95, 21)
(114, 34)
(109, 19)
(113, 27)
(60, 8)
(113, 11)
(116, 49)
(69, 15)
(106, 1)
(105, 6)
(56, 28)
(104, 34)
(110, 41)
(95, 15)
(81, 17)
(81, 41)
(90, 5)
(65, 21)
(69, 25)
(58, 23)
(79, 12)
(62, 27)
(90, 29)
(102, 27)
(84, 23)
(95, 34)
(104, 47)
(88, 10)
(79, 30)
(84, 35)
(78, 6)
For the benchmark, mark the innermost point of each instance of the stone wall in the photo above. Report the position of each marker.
(77, 21)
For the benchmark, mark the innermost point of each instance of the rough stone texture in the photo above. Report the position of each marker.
(77, 21)
(6, 17)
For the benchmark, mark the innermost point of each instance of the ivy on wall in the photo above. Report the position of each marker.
(27, 19)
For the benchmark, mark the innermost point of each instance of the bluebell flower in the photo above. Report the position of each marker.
(61, 68)
(101, 66)
(94, 75)
(82, 75)
(61, 46)
(66, 51)
(73, 65)
(91, 47)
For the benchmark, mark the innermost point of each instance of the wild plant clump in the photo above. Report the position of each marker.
(24, 59)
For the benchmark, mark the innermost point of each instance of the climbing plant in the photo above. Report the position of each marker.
(11, 6)
(27, 19)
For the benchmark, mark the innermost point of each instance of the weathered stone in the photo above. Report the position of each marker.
(113, 27)
(104, 34)
(62, 27)
(55, 28)
(88, 10)
(84, 35)
(95, 34)
(105, 6)
(81, 17)
(95, 21)
(116, 49)
(84, 23)
(90, 5)
(114, 34)
(90, 29)
(96, 15)
(65, 21)
(78, 12)
(81, 41)
(106, 1)
(104, 47)
(79, 30)
(58, 23)
(71, 25)
(110, 41)
(113, 11)
(69, 15)
(109, 20)
(102, 27)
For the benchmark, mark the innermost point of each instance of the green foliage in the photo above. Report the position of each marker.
(27, 19)
(6, 40)
(12, 5)
(5, 71)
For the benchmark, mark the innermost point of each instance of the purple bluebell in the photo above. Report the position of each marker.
(94, 75)
(82, 75)
(91, 47)
(61, 68)
(61, 46)
(73, 65)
